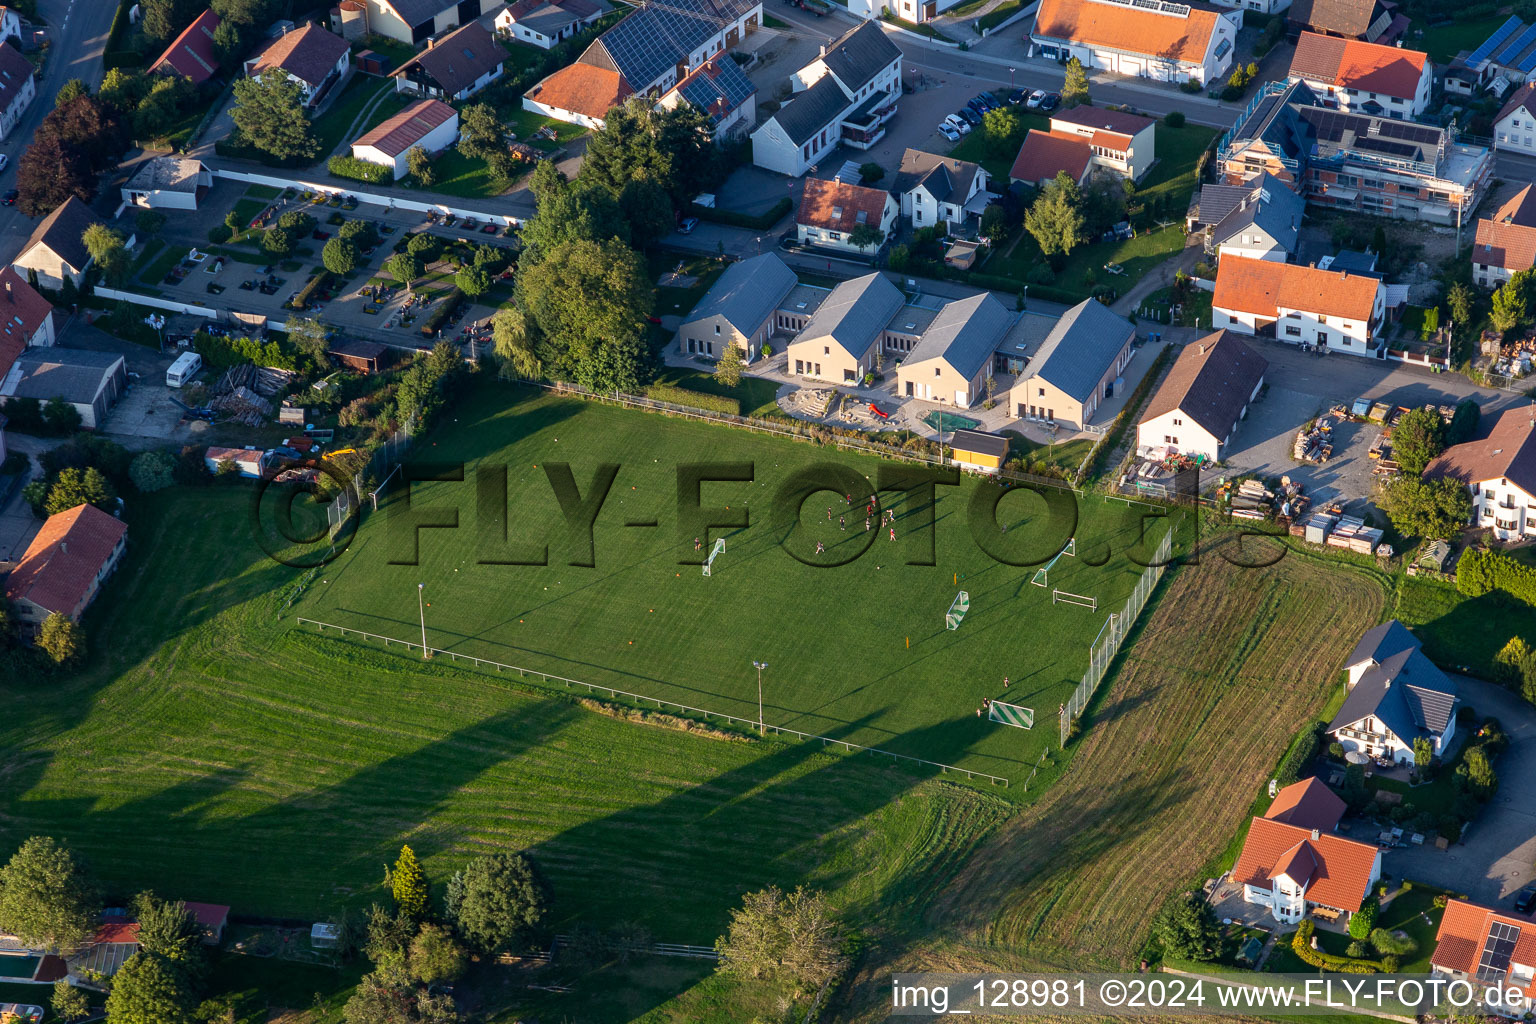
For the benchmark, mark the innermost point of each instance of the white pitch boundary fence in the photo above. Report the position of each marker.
(1112, 634)
(156, 303)
(640, 698)
(362, 196)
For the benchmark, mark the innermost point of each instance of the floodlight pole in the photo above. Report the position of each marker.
(422, 608)
(760, 665)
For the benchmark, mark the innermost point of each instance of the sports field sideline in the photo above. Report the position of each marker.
(856, 651)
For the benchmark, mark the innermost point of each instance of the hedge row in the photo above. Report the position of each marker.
(694, 399)
(1301, 945)
(440, 315)
(1480, 571)
(1302, 751)
(742, 220)
(301, 297)
(359, 170)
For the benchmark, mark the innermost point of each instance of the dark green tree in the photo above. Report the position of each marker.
(582, 294)
(148, 989)
(1055, 219)
(1417, 438)
(47, 899)
(1432, 509)
(473, 281)
(436, 956)
(1186, 927)
(169, 931)
(340, 256)
(70, 90)
(277, 242)
(69, 1002)
(269, 114)
(164, 19)
(75, 487)
(61, 638)
(648, 209)
(1074, 87)
(495, 899)
(480, 132)
(1362, 921)
(152, 471)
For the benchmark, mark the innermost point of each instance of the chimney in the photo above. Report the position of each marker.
(823, 50)
(63, 547)
(8, 296)
(1315, 834)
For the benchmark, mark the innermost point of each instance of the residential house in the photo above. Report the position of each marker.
(1264, 225)
(313, 58)
(168, 183)
(65, 565)
(917, 11)
(1508, 54)
(1292, 863)
(1505, 241)
(832, 212)
(409, 21)
(646, 54)
(979, 451)
(842, 338)
(1120, 142)
(431, 124)
(10, 23)
(1197, 407)
(543, 23)
(1500, 469)
(936, 189)
(26, 318)
(1348, 74)
(1395, 696)
(1044, 155)
(55, 251)
(1300, 305)
(1077, 366)
(90, 381)
(1514, 127)
(738, 309)
(952, 361)
(1351, 161)
(722, 91)
(1169, 42)
(455, 67)
(17, 87)
(192, 54)
(845, 96)
(1375, 21)
(1493, 951)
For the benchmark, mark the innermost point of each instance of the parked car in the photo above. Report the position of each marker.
(970, 117)
(958, 123)
(949, 131)
(1051, 102)
(10, 197)
(1113, 268)
(1525, 899)
(977, 104)
(5, 161)
(1013, 96)
(687, 225)
(1035, 99)
(991, 98)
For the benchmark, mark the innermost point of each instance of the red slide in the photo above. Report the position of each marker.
(877, 411)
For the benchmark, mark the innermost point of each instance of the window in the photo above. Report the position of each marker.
(717, 329)
(1178, 422)
(1041, 392)
(1487, 511)
(1505, 524)
(1293, 332)
(1167, 439)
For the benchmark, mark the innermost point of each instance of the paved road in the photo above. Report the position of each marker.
(78, 31)
(1496, 859)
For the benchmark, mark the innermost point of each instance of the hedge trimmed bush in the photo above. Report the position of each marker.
(1385, 942)
(694, 399)
(219, 234)
(440, 315)
(1301, 945)
(1301, 753)
(1480, 571)
(301, 297)
(743, 220)
(359, 170)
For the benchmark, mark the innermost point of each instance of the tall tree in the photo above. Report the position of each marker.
(569, 212)
(403, 267)
(70, 90)
(728, 368)
(436, 956)
(1509, 310)
(512, 334)
(147, 989)
(48, 173)
(495, 899)
(626, 148)
(1003, 128)
(310, 337)
(246, 13)
(1187, 929)
(46, 898)
(107, 249)
(340, 256)
(1055, 219)
(473, 280)
(791, 937)
(1432, 509)
(169, 931)
(69, 1002)
(419, 162)
(75, 487)
(408, 884)
(90, 127)
(480, 132)
(228, 41)
(865, 235)
(1417, 438)
(648, 209)
(61, 638)
(1074, 87)
(124, 89)
(270, 116)
(1459, 301)
(164, 19)
(582, 294)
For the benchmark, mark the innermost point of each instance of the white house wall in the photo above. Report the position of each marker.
(1513, 523)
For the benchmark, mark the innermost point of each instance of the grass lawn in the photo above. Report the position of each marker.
(331, 127)
(1195, 311)
(255, 259)
(247, 210)
(1001, 13)
(388, 107)
(677, 301)
(915, 28)
(1459, 632)
(973, 147)
(524, 123)
(1173, 178)
(918, 700)
(258, 987)
(263, 192)
(1067, 455)
(155, 270)
(1445, 42)
(769, 21)
(458, 175)
(520, 56)
(1406, 912)
(756, 395)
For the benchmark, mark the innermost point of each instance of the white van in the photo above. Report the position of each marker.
(183, 369)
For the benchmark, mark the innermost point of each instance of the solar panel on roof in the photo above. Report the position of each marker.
(1505, 30)
(1411, 132)
(1501, 945)
(1388, 147)
(1512, 51)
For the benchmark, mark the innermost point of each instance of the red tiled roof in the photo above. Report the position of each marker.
(308, 54)
(1261, 286)
(399, 133)
(209, 915)
(1100, 120)
(836, 206)
(1519, 100)
(1340, 868)
(22, 308)
(582, 89)
(1131, 29)
(1355, 64)
(1464, 932)
(191, 54)
(1044, 154)
(14, 72)
(1307, 804)
(1507, 453)
(115, 932)
(1509, 246)
(63, 560)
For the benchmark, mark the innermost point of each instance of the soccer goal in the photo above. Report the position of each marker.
(714, 552)
(1011, 714)
(1042, 577)
(957, 610)
(1082, 601)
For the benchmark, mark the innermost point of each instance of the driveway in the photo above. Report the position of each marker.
(1496, 858)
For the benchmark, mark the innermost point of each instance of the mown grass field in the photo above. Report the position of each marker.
(1221, 675)
(854, 638)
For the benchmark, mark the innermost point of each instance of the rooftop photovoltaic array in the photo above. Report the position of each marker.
(1389, 147)
(1409, 132)
(1512, 51)
(1500, 947)
(1493, 42)
(1155, 6)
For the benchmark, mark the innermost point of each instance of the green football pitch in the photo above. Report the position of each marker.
(856, 651)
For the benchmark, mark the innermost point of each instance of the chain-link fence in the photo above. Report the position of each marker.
(381, 466)
(1107, 644)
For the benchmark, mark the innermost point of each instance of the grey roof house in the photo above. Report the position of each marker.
(1197, 407)
(89, 381)
(1396, 696)
(456, 67)
(1076, 367)
(55, 250)
(935, 188)
(739, 307)
(1265, 224)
